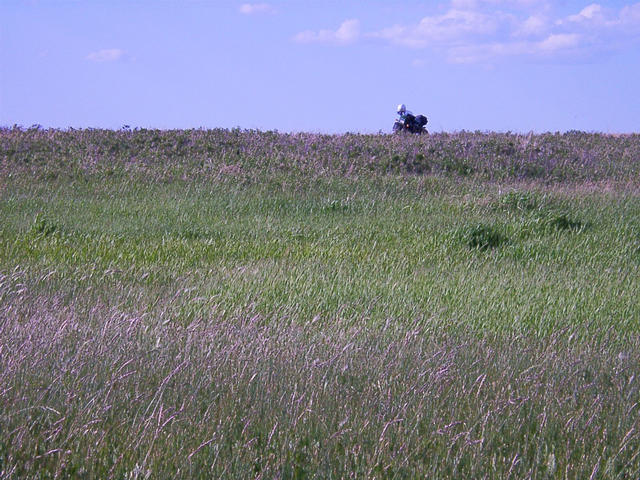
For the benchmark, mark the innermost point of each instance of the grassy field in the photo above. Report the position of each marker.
(229, 304)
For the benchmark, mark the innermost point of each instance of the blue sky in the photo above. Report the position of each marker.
(321, 66)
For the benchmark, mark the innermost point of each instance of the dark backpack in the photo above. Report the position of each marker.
(409, 119)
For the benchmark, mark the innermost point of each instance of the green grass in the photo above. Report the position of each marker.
(367, 326)
(408, 249)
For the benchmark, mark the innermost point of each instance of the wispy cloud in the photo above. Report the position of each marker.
(487, 30)
(347, 32)
(558, 41)
(106, 55)
(450, 28)
(533, 26)
(255, 8)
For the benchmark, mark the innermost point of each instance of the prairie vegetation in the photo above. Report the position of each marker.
(241, 304)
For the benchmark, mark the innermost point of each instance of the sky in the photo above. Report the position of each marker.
(323, 66)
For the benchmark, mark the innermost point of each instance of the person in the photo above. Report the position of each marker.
(403, 112)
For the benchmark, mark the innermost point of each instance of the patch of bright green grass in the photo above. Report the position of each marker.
(362, 250)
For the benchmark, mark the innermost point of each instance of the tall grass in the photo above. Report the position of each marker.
(113, 395)
(171, 154)
(215, 304)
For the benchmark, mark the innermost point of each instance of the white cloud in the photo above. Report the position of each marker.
(254, 8)
(558, 41)
(488, 52)
(594, 15)
(487, 30)
(591, 12)
(605, 25)
(534, 25)
(348, 32)
(106, 55)
(450, 27)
